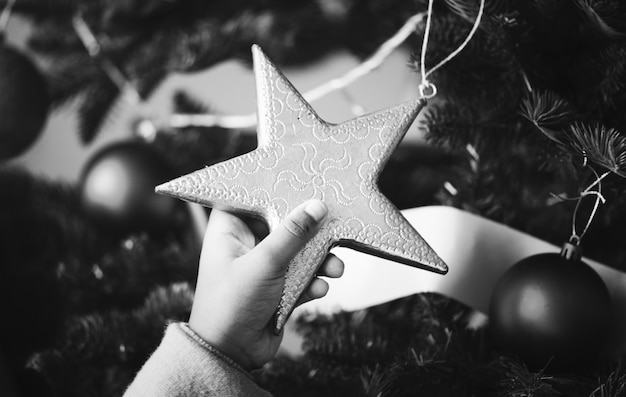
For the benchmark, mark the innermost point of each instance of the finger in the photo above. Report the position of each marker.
(282, 244)
(257, 226)
(318, 288)
(331, 267)
(228, 232)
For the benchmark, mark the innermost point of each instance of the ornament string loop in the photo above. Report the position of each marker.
(5, 16)
(576, 237)
(426, 88)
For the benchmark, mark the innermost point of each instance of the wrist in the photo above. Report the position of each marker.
(186, 328)
(219, 340)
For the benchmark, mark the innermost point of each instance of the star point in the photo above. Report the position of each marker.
(301, 157)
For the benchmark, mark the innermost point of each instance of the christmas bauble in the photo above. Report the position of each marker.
(551, 310)
(117, 188)
(24, 102)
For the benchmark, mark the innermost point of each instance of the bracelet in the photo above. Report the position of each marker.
(198, 339)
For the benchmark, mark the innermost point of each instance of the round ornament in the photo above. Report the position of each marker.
(117, 188)
(551, 310)
(24, 102)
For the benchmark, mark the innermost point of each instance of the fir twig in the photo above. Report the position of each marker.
(94, 109)
(44, 7)
(185, 103)
(614, 385)
(609, 82)
(604, 146)
(521, 382)
(546, 110)
(597, 21)
(468, 9)
(112, 344)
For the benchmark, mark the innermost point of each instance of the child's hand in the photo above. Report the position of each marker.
(240, 284)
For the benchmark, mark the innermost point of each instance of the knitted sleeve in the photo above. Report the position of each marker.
(185, 365)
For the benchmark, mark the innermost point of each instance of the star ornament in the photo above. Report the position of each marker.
(301, 157)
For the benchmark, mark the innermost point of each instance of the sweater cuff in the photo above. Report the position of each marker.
(186, 365)
(212, 350)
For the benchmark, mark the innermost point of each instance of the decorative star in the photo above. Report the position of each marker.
(300, 157)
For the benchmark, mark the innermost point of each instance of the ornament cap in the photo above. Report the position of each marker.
(571, 251)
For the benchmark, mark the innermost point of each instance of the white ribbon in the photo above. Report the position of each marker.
(477, 250)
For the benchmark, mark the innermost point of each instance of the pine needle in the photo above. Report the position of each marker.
(186, 103)
(597, 21)
(613, 386)
(468, 9)
(546, 110)
(603, 146)
(93, 112)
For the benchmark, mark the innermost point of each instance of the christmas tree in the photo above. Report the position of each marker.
(527, 120)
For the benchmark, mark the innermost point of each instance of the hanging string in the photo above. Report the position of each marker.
(372, 63)
(428, 89)
(576, 237)
(5, 16)
(89, 40)
(588, 191)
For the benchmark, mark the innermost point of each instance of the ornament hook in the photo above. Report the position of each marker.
(571, 252)
(576, 237)
(427, 89)
(425, 83)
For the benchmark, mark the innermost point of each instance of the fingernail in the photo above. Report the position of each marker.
(316, 209)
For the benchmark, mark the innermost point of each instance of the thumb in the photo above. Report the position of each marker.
(282, 244)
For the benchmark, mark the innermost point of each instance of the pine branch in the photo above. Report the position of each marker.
(468, 9)
(127, 14)
(41, 213)
(434, 354)
(150, 81)
(43, 8)
(203, 145)
(601, 145)
(454, 126)
(149, 40)
(76, 267)
(547, 108)
(98, 354)
(485, 76)
(53, 39)
(547, 111)
(519, 381)
(614, 385)
(69, 75)
(94, 109)
(607, 80)
(185, 103)
(376, 382)
(123, 276)
(548, 9)
(600, 15)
